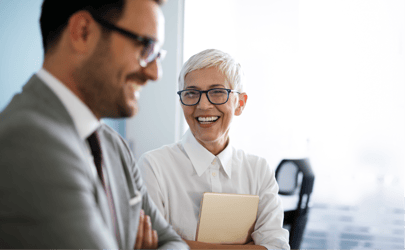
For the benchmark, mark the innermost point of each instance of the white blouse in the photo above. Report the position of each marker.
(177, 175)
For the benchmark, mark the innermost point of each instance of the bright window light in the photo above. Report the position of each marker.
(325, 80)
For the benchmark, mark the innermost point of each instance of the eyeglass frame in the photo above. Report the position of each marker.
(206, 93)
(145, 41)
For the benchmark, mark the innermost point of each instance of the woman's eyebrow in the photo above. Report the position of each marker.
(211, 86)
(217, 85)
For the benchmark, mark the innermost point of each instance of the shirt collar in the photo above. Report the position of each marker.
(85, 121)
(201, 158)
(225, 157)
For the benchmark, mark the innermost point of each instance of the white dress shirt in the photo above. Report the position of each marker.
(83, 118)
(177, 175)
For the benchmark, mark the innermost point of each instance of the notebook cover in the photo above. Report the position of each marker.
(227, 218)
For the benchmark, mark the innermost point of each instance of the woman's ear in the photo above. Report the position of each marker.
(241, 104)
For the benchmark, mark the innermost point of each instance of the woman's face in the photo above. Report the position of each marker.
(210, 123)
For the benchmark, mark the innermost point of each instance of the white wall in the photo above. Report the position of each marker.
(158, 121)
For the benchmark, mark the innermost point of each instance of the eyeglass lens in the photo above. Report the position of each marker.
(215, 96)
(152, 49)
(151, 52)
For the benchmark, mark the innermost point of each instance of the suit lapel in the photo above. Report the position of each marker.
(122, 186)
(117, 185)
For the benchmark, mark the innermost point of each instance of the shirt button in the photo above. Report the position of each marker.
(214, 174)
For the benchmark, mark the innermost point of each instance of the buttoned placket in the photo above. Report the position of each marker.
(214, 172)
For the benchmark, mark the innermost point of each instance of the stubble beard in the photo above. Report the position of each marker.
(99, 85)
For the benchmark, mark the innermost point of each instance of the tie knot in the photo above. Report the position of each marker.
(94, 141)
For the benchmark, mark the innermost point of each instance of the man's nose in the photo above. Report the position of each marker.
(153, 70)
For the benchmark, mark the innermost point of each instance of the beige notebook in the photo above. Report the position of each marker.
(227, 218)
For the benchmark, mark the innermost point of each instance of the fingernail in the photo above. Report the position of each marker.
(149, 222)
(142, 212)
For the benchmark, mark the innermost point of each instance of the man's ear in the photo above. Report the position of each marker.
(241, 103)
(83, 32)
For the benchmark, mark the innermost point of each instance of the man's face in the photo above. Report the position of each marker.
(111, 78)
(209, 131)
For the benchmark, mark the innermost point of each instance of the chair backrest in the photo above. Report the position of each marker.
(295, 176)
(287, 178)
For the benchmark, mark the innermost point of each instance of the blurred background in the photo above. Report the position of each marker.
(325, 80)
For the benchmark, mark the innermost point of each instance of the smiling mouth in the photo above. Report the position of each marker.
(207, 120)
(137, 89)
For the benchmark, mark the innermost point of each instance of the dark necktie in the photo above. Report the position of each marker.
(94, 143)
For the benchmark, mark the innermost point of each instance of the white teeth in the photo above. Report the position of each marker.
(137, 90)
(208, 119)
(137, 87)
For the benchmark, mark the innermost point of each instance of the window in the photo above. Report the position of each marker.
(325, 79)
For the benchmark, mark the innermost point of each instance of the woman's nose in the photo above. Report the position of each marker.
(204, 102)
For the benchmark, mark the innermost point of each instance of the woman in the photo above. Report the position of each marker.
(177, 175)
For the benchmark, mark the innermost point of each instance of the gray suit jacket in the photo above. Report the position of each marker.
(49, 197)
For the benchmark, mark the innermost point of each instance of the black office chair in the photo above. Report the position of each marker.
(295, 177)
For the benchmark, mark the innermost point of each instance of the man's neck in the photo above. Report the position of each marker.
(64, 73)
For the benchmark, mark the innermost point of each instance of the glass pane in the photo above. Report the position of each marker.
(325, 80)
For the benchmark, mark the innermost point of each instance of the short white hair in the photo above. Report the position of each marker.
(214, 58)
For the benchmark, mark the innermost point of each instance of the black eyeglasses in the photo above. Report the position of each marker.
(191, 97)
(152, 49)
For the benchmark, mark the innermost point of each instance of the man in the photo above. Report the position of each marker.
(67, 180)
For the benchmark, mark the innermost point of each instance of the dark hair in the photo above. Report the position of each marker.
(55, 15)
